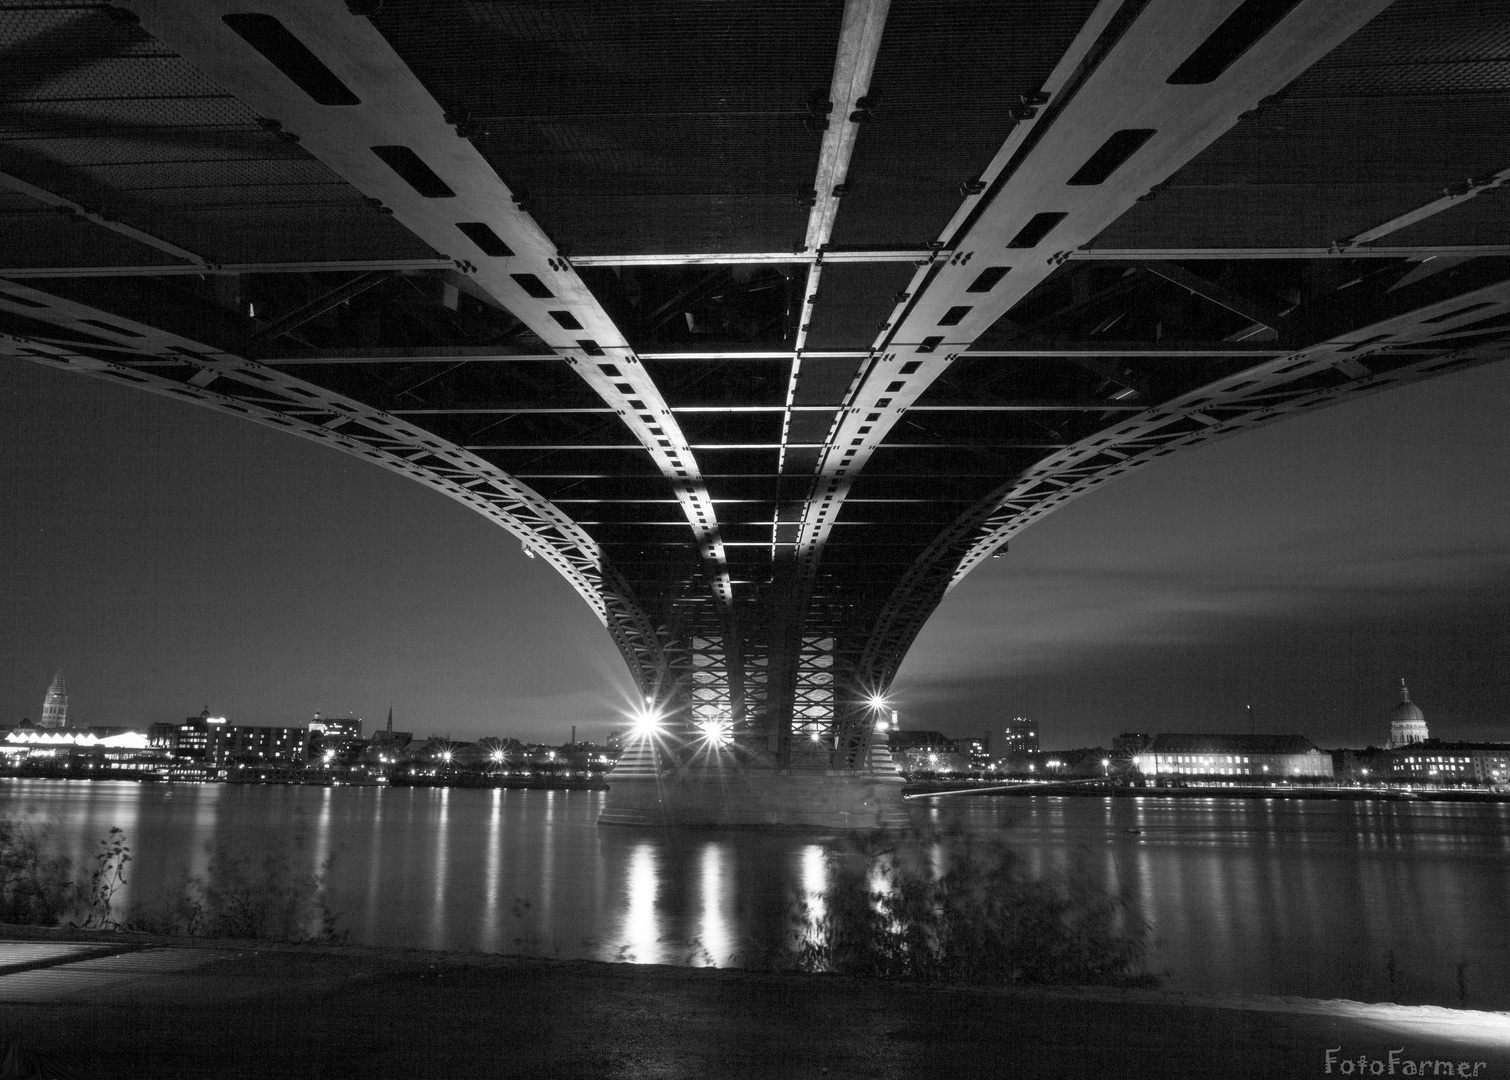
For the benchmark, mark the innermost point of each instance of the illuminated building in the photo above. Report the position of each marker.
(1021, 736)
(113, 748)
(1407, 724)
(926, 751)
(337, 729)
(55, 704)
(1243, 758)
(246, 745)
(977, 750)
(1452, 764)
(191, 739)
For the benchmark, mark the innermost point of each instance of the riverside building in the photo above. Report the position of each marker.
(1445, 764)
(1021, 736)
(1233, 758)
(1407, 724)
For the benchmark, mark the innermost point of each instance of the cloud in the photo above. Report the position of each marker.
(1042, 615)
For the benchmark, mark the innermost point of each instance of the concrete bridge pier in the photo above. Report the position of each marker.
(651, 787)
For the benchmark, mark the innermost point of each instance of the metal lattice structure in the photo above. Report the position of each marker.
(764, 324)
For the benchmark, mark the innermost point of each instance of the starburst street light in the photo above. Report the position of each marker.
(647, 720)
(716, 733)
(886, 716)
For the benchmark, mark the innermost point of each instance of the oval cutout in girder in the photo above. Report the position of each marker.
(988, 279)
(953, 316)
(414, 172)
(1038, 226)
(1238, 33)
(291, 56)
(566, 320)
(111, 327)
(487, 241)
(1107, 160)
(534, 286)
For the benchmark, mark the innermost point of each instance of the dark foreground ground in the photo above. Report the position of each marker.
(230, 1009)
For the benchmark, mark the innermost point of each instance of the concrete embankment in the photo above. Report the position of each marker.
(172, 1008)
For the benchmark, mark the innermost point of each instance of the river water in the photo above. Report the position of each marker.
(1307, 897)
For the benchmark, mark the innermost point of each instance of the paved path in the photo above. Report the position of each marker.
(168, 1010)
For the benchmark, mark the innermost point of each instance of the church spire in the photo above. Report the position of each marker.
(55, 704)
(390, 718)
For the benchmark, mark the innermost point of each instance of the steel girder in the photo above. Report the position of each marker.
(126, 352)
(1281, 387)
(790, 652)
(398, 146)
(1028, 215)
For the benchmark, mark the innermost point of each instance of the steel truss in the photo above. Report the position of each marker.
(1260, 395)
(135, 354)
(789, 663)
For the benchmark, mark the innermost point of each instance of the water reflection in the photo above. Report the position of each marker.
(488, 935)
(441, 837)
(713, 931)
(374, 864)
(1266, 896)
(641, 934)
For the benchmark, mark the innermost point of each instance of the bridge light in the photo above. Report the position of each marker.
(716, 733)
(647, 721)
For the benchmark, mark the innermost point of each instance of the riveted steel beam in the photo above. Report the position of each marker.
(1273, 390)
(1468, 190)
(1369, 251)
(140, 355)
(203, 269)
(197, 262)
(391, 140)
(1052, 188)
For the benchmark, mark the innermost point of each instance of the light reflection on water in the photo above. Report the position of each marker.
(1261, 896)
(642, 929)
(714, 932)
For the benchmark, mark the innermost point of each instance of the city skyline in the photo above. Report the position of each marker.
(1314, 563)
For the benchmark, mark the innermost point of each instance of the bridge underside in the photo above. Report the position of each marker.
(763, 323)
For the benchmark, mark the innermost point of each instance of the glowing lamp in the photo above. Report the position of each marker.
(647, 721)
(716, 733)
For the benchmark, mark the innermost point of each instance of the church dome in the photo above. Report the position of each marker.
(1407, 723)
(1407, 710)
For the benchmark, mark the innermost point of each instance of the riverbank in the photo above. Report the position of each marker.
(242, 1009)
(1100, 790)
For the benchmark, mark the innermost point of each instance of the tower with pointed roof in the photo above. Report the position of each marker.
(55, 704)
(1407, 724)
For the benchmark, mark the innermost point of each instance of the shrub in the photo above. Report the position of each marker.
(263, 895)
(36, 886)
(981, 919)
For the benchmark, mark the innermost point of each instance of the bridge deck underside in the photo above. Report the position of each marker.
(676, 158)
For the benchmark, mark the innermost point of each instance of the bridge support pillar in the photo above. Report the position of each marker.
(726, 793)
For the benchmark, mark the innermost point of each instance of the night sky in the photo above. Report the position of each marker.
(169, 558)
